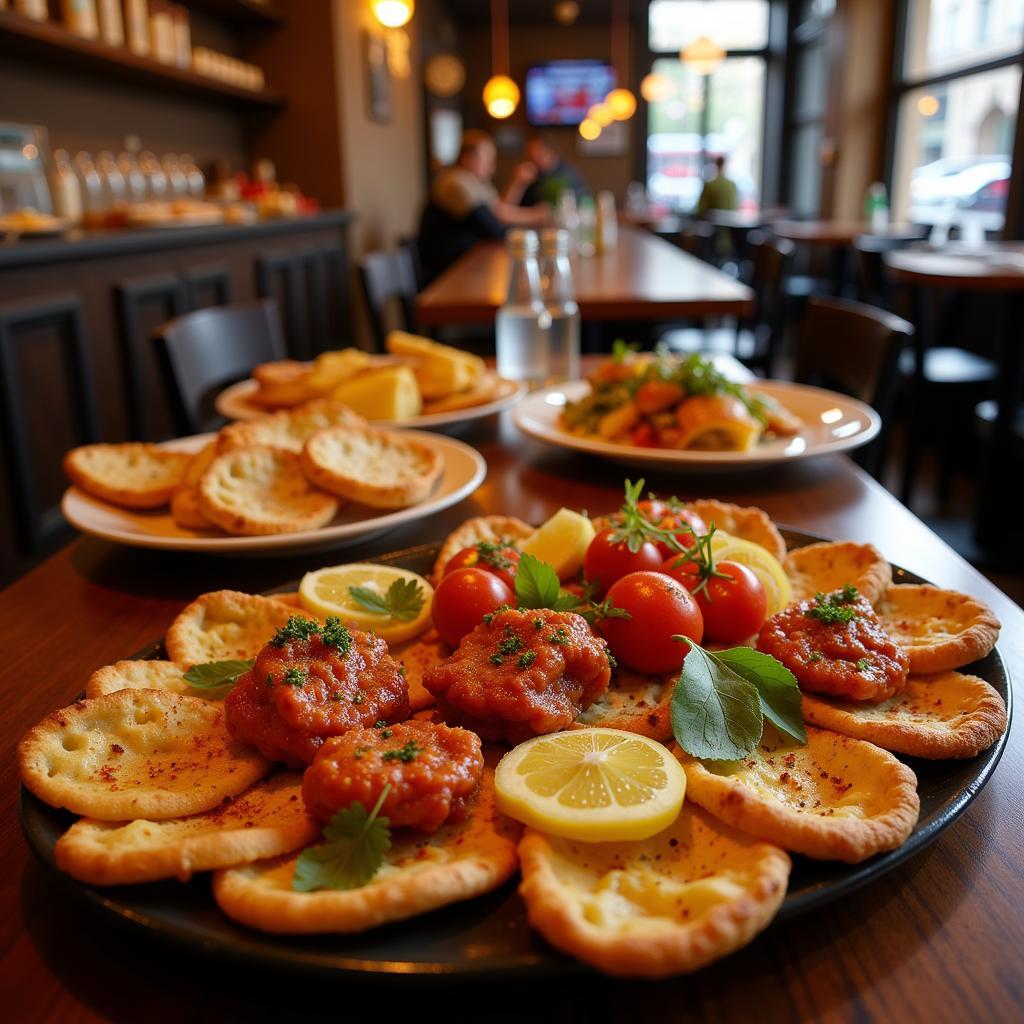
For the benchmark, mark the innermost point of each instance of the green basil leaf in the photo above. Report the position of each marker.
(352, 853)
(536, 583)
(566, 602)
(402, 602)
(716, 713)
(216, 675)
(776, 687)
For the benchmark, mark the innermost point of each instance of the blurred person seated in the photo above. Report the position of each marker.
(719, 192)
(551, 175)
(464, 207)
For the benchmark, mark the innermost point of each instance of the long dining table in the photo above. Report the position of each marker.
(642, 278)
(936, 939)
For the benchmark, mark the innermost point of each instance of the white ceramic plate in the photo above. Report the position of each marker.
(833, 423)
(235, 403)
(464, 471)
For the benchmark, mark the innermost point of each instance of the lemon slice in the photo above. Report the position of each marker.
(326, 592)
(761, 562)
(596, 785)
(561, 542)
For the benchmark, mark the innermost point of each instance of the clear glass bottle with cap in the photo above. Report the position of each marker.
(559, 295)
(522, 338)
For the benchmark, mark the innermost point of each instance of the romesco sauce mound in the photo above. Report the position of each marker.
(835, 644)
(311, 682)
(431, 772)
(520, 673)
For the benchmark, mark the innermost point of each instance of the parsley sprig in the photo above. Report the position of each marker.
(721, 700)
(216, 678)
(635, 528)
(353, 851)
(402, 602)
(835, 607)
(537, 586)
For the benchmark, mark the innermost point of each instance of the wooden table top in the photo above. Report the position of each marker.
(989, 268)
(642, 278)
(937, 939)
(839, 232)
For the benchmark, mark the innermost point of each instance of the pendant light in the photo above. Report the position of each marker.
(703, 55)
(393, 13)
(620, 101)
(501, 94)
(657, 88)
(566, 11)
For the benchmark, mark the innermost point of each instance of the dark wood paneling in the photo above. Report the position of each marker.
(279, 275)
(48, 406)
(208, 285)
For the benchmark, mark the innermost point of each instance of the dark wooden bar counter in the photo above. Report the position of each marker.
(938, 939)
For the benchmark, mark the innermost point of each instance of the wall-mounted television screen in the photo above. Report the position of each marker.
(562, 91)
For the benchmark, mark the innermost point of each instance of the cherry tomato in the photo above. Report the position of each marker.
(463, 598)
(680, 522)
(734, 608)
(643, 436)
(502, 561)
(659, 608)
(607, 561)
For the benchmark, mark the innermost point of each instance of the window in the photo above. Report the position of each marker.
(706, 116)
(957, 111)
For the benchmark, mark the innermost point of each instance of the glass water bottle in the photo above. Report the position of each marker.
(559, 294)
(522, 326)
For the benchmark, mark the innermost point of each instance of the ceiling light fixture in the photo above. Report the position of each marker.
(589, 129)
(657, 88)
(501, 94)
(566, 12)
(393, 13)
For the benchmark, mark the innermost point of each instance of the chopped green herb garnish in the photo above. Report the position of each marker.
(538, 623)
(493, 555)
(401, 670)
(296, 628)
(612, 662)
(336, 635)
(358, 698)
(496, 659)
(527, 658)
(559, 636)
(387, 733)
(863, 664)
(834, 607)
(406, 753)
(294, 676)
(510, 643)
(489, 617)
(380, 724)
(816, 656)
(337, 695)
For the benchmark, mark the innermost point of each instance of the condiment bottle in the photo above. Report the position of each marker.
(80, 18)
(182, 36)
(65, 188)
(134, 179)
(112, 181)
(161, 32)
(559, 295)
(177, 182)
(137, 18)
(522, 324)
(93, 210)
(156, 180)
(111, 22)
(194, 176)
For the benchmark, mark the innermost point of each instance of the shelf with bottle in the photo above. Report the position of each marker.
(23, 36)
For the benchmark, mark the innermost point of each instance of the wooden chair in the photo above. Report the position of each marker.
(854, 348)
(202, 352)
(770, 260)
(389, 281)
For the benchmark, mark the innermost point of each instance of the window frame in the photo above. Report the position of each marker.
(900, 84)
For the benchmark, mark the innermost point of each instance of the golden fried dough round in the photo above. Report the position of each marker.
(257, 491)
(490, 529)
(139, 675)
(829, 565)
(379, 468)
(633, 702)
(937, 716)
(420, 873)
(137, 754)
(666, 905)
(487, 389)
(224, 624)
(939, 629)
(753, 524)
(185, 500)
(267, 820)
(131, 475)
(416, 656)
(836, 798)
(289, 429)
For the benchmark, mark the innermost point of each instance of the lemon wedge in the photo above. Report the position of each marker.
(595, 785)
(327, 592)
(761, 562)
(561, 542)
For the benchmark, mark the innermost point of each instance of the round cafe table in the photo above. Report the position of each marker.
(996, 269)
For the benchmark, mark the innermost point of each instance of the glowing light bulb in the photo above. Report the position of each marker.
(601, 115)
(703, 55)
(927, 106)
(657, 88)
(501, 96)
(589, 129)
(622, 104)
(393, 13)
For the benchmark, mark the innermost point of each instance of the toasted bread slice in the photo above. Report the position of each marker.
(137, 754)
(185, 500)
(132, 475)
(290, 428)
(254, 491)
(282, 384)
(379, 468)
(139, 675)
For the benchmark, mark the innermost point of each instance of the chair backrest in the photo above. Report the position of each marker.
(770, 260)
(389, 278)
(407, 243)
(201, 352)
(695, 238)
(870, 267)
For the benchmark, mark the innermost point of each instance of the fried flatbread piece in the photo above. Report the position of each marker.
(418, 655)
(224, 624)
(836, 798)
(185, 500)
(939, 629)
(945, 715)
(633, 702)
(420, 873)
(666, 905)
(139, 675)
(749, 523)
(488, 388)
(259, 491)
(491, 529)
(137, 754)
(289, 429)
(131, 475)
(829, 565)
(267, 820)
